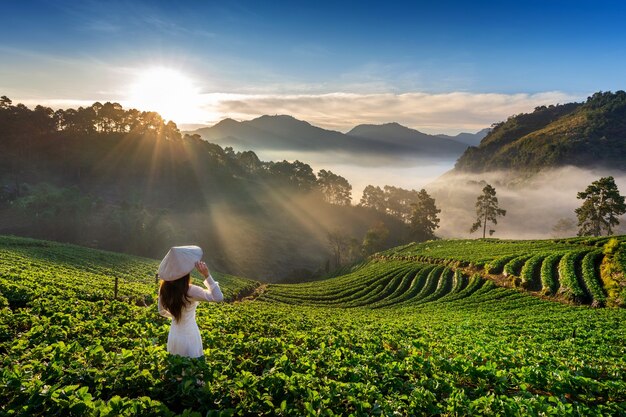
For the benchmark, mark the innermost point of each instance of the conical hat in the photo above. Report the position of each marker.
(179, 261)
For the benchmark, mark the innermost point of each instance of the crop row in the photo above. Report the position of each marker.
(479, 349)
(26, 274)
(404, 284)
(387, 280)
(573, 275)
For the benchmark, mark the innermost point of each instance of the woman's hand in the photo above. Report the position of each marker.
(202, 268)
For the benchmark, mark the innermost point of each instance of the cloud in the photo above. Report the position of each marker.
(451, 113)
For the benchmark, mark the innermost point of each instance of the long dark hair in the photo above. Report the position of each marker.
(174, 295)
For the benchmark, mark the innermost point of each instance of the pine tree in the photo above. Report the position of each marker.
(601, 208)
(487, 210)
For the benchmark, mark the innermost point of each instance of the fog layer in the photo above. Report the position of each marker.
(373, 170)
(534, 203)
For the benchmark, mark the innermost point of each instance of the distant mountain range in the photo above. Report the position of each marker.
(472, 139)
(286, 133)
(590, 134)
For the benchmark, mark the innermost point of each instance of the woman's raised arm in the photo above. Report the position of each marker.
(213, 291)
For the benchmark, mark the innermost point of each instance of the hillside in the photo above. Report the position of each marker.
(112, 178)
(565, 270)
(286, 133)
(461, 346)
(590, 134)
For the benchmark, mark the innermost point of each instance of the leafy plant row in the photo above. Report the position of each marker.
(479, 349)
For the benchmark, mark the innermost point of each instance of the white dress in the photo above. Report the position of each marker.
(184, 338)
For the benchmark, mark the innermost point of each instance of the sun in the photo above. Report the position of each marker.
(168, 92)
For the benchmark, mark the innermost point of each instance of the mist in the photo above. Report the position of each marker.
(534, 203)
(366, 169)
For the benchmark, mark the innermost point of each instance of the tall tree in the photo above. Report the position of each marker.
(601, 208)
(398, 202)
(335, 188)
(487, 210)
(424, 218)
(373, 197)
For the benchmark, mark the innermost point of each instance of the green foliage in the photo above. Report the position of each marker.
(613, 272)
(601, 207)
(118, 179)
(398, 202)
(296, 174)
(374, 197)
(530, 274)
(582, 134)
(424, 219)
(360, 347)
(549, 271)
(375, 239)
(335, 188)
(591, 274)
(515, 265)
(487, 210)
(497, 265)
(568, 277)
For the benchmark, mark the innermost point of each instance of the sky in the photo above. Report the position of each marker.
(439, 67)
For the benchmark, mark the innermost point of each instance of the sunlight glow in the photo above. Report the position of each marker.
(168, 92)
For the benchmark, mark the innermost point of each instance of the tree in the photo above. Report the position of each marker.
(354, 250)
(375, 239)
(601, 208)
(335, 188)
(398, 202)
(56, 212)
(294, 174)
(373, 197)
(338, 241)
(424, 218)
(5, 102)
(487, 210)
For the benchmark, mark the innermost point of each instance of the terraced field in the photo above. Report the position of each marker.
(428, 329)
(446, 271)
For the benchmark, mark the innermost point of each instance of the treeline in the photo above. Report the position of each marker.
(416, 211)
(40, 137)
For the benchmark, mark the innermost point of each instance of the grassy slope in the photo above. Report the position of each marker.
(30, 265)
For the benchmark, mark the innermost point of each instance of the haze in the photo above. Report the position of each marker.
(533, 206)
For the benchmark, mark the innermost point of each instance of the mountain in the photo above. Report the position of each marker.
(396, 135)
(472, 139)
(590, 134)
(283, 132)
(274, 132)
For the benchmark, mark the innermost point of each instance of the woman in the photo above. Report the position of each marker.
(178, 298)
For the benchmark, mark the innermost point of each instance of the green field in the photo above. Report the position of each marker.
(457, 327)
